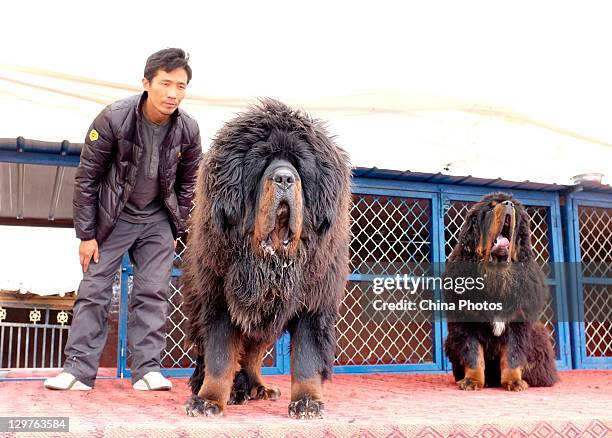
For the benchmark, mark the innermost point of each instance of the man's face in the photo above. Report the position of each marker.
(166, 90)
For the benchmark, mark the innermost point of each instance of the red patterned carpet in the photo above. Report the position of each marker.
(356, 406)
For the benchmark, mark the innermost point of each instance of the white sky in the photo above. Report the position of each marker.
(41, 260)
(518, 90)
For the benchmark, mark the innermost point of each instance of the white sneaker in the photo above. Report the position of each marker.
(153, 381)
(66, 381)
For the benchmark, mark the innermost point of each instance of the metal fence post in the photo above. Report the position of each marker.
(123, 319)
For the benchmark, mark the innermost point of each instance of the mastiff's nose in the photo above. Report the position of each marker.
(283, 177)
(508, 206)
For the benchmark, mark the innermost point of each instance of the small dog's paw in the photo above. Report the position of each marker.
(469, 384)
(267, 393)
(306, 408)
(515, 385)
(196, 406)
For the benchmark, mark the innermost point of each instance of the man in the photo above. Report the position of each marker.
(133, 191)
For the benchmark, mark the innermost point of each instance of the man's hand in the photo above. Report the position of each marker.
(87, 250)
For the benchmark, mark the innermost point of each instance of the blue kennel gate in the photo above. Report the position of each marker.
(399, 226)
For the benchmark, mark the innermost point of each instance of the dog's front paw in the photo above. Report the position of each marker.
(196, 406)
(515, 385)
(469, 384)
(306, 408)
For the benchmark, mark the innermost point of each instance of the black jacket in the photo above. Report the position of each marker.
(106, 174)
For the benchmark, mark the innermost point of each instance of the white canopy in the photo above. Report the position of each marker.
(520, 92)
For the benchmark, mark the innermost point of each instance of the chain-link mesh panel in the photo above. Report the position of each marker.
(595, 242)
(381, 337)
(454, 217)
(548, 317)
(390, 235)
(598, 320)
(181, 243)
(179, 251)
(540, 240)
(175, 355)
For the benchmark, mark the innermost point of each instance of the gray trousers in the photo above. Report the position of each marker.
(151, 249)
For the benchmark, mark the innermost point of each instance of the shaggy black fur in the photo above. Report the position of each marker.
(511, 277)
(242, 287)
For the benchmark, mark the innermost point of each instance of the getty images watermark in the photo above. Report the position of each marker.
(410, 285)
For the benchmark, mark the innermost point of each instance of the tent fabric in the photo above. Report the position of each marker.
(388, 130)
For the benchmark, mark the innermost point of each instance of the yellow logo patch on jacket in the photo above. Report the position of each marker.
(93, 135)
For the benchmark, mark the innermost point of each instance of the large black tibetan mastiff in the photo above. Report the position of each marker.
(267, 252)
(503, 343)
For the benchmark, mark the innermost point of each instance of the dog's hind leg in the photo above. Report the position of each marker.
(197, 378)
(541, 369)
(195, 405)
(248, 383)
(458, 371)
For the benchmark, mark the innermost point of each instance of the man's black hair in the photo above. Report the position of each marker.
(167, 60)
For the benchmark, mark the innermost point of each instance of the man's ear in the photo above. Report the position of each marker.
(146, 84)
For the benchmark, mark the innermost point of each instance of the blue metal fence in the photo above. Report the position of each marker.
(402, 226)
(443, 215)
(588, 221)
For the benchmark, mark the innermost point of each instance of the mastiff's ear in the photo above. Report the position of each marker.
(225, 189)
(332, 184)
(523, 249)
(323, 222)
(470, 234)
(225, 214)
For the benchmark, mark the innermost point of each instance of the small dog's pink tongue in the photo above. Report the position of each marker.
(501, 245)
(502, 242)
